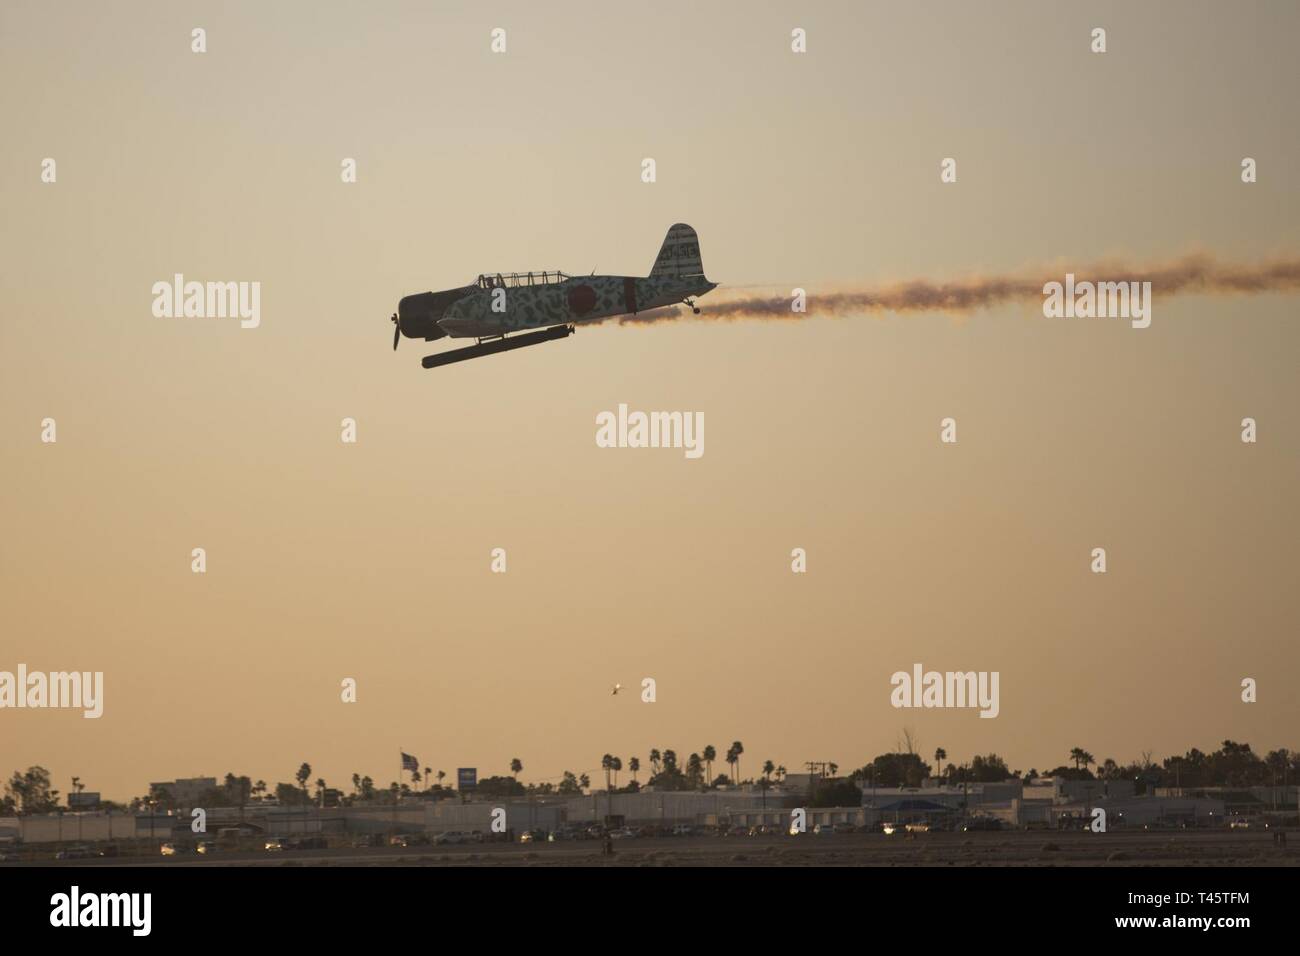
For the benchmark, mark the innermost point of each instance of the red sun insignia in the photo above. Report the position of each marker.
(582, 299)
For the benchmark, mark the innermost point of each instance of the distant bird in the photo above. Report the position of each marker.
(617, 688)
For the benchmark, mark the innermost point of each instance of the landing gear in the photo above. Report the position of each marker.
(691, 303)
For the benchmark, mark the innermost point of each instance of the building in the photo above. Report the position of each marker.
(185, 791)
(1144, 811)
(1075, 791)
(962, 796)
(90, 827)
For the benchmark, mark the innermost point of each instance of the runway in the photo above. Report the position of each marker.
(1005, 849)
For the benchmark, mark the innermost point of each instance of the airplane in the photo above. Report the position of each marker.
(496, 304)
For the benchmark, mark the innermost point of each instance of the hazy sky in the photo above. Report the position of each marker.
(821, 170)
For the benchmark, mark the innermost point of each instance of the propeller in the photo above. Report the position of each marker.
(397, 331)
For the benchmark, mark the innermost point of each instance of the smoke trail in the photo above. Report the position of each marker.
(1193, 274)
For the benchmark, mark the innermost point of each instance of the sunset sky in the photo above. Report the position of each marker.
(818, 170)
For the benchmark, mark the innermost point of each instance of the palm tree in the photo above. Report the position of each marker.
(516, 765)
(780, 773)
(427, 774)
(302, 776)
(320, 791)
(654, 762)
(607, 765)
(694, 768)
(940, 755)
(710, 754)
(634, 764)
(441, 775)
(733, 758)
(259, 788)
(584, 782)
(769, 768)
(1080, 756)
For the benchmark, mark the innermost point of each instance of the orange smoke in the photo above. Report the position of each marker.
(1190, 275)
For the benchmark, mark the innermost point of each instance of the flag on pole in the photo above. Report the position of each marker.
(409, 762)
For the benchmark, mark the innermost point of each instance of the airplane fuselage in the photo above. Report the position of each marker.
(501, 310)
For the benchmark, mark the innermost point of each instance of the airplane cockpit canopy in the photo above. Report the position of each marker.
(511, 280)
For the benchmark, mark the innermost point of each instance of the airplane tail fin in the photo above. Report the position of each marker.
(680, 253)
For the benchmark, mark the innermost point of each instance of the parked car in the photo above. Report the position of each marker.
(889, 829)
(206, 847)
(919, 827)
(1239, 823)
(111, 849)
(824, 829)
(977, 824)
(451, 838)
(275, 845)
(73, 853)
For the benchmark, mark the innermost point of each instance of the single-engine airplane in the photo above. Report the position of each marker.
(496, 305)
